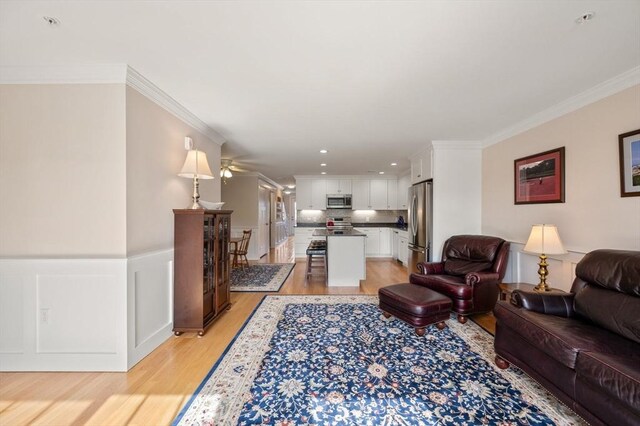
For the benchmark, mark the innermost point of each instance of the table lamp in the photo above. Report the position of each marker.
(196, 167)
(544, 240)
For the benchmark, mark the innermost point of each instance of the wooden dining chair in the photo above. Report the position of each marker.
(241, 250)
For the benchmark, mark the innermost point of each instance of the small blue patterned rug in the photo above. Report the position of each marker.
(335, 360)
(265, 277)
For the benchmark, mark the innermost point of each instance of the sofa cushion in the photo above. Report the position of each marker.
(612, 269)
(615, 311)
(470, 253)
(562, 338)
(616, 375)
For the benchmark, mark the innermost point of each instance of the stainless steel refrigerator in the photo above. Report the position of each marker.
(420, 224)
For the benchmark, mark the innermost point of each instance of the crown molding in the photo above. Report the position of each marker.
(462, 145)
(138, 82)
(607, 88)
(107, 74)
(64, 74)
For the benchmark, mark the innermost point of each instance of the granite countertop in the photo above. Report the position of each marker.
(337, 233)
(378, 225)
(357, 225)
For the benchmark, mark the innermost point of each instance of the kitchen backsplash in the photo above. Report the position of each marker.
(374, 216)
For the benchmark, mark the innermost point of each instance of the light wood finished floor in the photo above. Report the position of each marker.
(153, 392)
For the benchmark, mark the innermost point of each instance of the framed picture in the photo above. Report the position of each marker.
(539, 178)
(630, 164)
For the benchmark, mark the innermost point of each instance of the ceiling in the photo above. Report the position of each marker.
(371, 82)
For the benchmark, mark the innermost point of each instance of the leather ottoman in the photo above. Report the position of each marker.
(416, 305)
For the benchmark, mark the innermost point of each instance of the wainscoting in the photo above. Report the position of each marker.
(84, 314)
(523, 267)
(149, 303)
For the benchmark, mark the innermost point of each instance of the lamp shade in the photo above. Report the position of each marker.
(196, 165)
(544, 239)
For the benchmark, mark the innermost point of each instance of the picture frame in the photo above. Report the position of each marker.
(539, 178)
(629, 146)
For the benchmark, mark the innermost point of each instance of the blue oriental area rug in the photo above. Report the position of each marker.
(335, 360)
(260, 277)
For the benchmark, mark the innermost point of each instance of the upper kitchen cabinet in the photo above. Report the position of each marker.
(404, 182)
(311, 194)
(422, 165)
(374, 194)
(338, 186)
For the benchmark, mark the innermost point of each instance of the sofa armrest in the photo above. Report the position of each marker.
(558, 304)
(430, 268)
(479, 278)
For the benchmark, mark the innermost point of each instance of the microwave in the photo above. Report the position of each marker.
(339, 201)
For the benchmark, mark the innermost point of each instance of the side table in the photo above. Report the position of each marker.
(507, 288)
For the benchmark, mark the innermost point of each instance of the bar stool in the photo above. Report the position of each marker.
(317, 250)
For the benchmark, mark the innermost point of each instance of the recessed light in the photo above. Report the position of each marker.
(587, 16)
(287, 192)
(323, 165)
(380, 173)
(323, 151)
(394, 164)
(323, 173)
(51, 20)
(291, 186)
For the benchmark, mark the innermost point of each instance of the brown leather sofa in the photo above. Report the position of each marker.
(582, 346)
(469, 273)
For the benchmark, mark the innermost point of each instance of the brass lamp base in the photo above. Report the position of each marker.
(542, 272)
(195, 204)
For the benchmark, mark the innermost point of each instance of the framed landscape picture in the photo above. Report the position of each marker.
(630, 164)
(539, 178)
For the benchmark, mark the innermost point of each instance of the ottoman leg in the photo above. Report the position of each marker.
(501, 363)
(420, 331)
(462, 319)
(386, 314)
(441, 325)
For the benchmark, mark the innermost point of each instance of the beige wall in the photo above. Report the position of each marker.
(62, 170)
(155, 154)
(240, 194)
(594, 215)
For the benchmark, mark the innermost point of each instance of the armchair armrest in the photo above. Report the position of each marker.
(476, 278)
(430, 268)
(558, 304)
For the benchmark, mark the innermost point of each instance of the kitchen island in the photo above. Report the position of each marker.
(346, 263)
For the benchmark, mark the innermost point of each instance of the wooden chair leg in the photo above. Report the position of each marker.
(501, 363)
(420, 331)
(462, 319)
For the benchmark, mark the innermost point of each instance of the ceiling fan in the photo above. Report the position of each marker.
(227, 168)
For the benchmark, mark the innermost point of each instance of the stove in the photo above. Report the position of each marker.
(338, 223)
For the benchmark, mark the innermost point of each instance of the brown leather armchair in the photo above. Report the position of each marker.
(469, 273)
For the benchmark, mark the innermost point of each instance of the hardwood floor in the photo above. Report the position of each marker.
(153, 392)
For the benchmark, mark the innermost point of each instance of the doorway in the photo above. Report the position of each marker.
(264, 217)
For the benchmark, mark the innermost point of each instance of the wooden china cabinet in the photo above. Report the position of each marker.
(201, 268)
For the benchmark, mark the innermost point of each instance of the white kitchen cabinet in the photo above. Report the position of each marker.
(392, 195)
(394, 244)
(319, 194)
(311, 194)
(403, 250)
(338, 186)
(360, 194)
(304, 199)
(372, 242)
(385, 242)
(422, 165)
(404, 182)
(378, 194)
(302, 238)
(374, 194)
